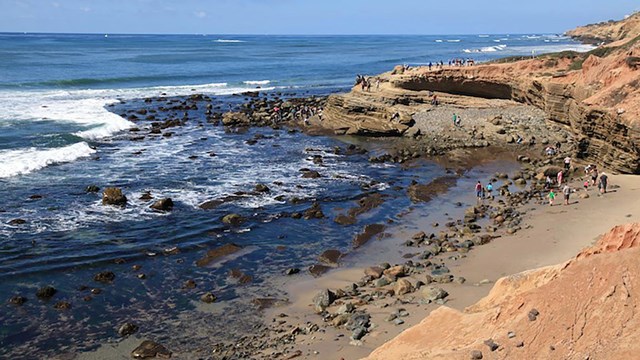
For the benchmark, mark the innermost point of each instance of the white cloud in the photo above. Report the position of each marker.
(200, 14)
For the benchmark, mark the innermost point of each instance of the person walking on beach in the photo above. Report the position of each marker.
(560, 178)
(479, 190)
(552, 196)
(567, 192)
(603, 183)
(567, 163)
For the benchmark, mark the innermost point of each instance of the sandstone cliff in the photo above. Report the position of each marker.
(596, 95)
(583, 309)
(608, 32)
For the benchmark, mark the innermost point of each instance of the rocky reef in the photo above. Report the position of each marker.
(594, 95)
(582, 309)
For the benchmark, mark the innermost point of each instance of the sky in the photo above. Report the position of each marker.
(307, 16)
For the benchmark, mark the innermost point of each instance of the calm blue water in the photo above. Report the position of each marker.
(58, 135)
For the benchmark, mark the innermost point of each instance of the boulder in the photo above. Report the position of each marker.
(233, 219)
(403, 286)
(150, 349)
(163, 205)
(374, 271)
(433, 294)
(113, 196)
(104, 277)
(330, 257)
(235, 119)
(323, 300)
(127, 329)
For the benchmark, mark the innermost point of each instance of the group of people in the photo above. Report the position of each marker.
(483, 192)
(457, 120)
(366, 82)
(462, 62)
(297, 113)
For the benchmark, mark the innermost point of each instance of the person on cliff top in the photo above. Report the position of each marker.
(567, 163)
(567, 193)
(552, 196)
(430, 65)
(603, 183)
(479, 190)
(377, 84)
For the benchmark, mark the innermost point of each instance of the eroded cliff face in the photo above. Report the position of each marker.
(583, 309)
(608, 32)
(596, 95)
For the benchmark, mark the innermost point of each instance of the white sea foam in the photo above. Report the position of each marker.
(483, 36)
(454, 41)
(438, 41)
(228, 41)
(257, 82)
(23, 161)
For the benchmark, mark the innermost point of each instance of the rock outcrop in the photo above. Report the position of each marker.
(595, 95)
(582, 309)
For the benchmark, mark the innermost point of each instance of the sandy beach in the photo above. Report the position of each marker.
(552, 234)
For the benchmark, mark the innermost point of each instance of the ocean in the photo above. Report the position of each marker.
(61, 130)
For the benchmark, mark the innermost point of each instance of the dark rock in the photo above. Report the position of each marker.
(262, 188)
(146, 196)
(533, 315)
(291, 271)
(17, 222)
(62, 305)
(92, 189)
(241, 277)
(149, 349)
(233, 219)
(358, 333)
(476, 355)
(127, 329)
(491, 344)
(369, 232)
(311, 174)
(163, 205)
(374, 271)
(330, 257)
(217, 253)
(318, 270)
(208, 298)
(323, 300)
(314, 212)
(18, 300)
(104, 277)
(113, 196)
(189, 284)
(46, 292)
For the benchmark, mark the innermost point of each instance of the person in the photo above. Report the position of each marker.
(594, 175)
(558, 145)
(377, 84)
(459, 121)
(567, 192)
(455, 119)
(567, 163)
(519, 139)
(560, 177)
(479, 190)
(548, 182)
(430, 65)
(603, 183)
(586, 185)
(552, 196)
(489, 189)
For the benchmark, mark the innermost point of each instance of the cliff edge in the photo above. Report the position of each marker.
(586, 308)
(595, 95)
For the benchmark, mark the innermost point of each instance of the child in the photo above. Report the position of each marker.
(489, 189)
(552, 197)
(586, 185)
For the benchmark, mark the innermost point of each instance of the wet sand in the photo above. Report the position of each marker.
(552, 234)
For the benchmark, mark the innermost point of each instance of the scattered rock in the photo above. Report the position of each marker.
(18, 300)
(46, 292)
(104, 277)
(491, 344)
(113, 196)
(323, 300)
(476, 355)
(291, 271)
(217, 253)
(233, 219)
(374, 271)
(403, 286)
(163, 205)
(127, 329)
(330, 257)
(62, 305)
(433, 294)
(208, 298)
(92, 189)
(149, 349)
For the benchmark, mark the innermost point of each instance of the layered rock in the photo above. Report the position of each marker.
(596, 95)
(584, 308)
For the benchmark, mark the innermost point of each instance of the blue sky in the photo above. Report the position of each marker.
(307, 16)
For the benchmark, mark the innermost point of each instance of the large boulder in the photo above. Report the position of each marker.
(323, 300)
(163, 205)
(113, 196)
(235, 119)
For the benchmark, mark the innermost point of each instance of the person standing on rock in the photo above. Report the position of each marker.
(603, 183)
(479, 190)
(567, 163)
(567, 192)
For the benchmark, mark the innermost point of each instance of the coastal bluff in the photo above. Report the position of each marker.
(594, 95)
(585, 308)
